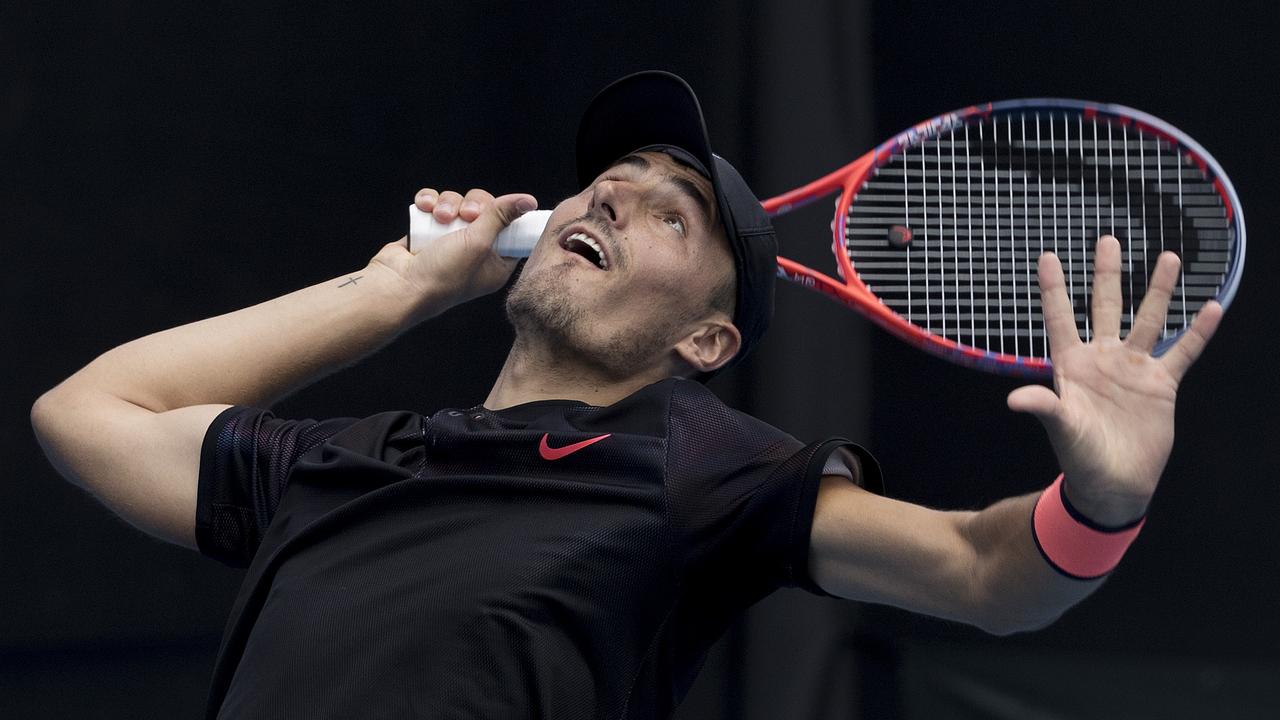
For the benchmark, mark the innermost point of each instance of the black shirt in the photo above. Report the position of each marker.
(550, 560)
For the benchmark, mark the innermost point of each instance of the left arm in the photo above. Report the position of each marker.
(1110, 421)
(980, 568)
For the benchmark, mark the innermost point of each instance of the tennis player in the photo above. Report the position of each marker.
(573, 545)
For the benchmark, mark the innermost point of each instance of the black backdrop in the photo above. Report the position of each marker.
(163, 164)
(1187, 626)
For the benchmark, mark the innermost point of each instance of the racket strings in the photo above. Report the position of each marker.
(985, 199)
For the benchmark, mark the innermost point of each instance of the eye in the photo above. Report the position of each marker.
(676, 222)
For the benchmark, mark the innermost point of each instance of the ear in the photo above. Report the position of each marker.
(712, 343)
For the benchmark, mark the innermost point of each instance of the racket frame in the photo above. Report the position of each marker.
(850, 290)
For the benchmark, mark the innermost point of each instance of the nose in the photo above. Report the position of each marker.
(608, 197)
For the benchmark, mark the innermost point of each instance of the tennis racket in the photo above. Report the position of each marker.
(937, 232)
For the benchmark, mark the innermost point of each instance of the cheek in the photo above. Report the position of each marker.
(563, 213)
(572, 207)
(663, 280)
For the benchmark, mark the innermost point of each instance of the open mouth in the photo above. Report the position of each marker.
(588, 247)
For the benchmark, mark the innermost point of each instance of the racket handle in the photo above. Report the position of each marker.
(514, 241)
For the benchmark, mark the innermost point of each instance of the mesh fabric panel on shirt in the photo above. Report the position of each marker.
(255, 451)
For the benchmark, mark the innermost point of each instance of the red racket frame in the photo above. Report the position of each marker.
(855, 294)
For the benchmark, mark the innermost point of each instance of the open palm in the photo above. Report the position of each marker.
(1111, 418)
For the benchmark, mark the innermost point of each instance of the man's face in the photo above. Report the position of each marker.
(625, 268)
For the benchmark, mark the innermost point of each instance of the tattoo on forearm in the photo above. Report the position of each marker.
(351, 281)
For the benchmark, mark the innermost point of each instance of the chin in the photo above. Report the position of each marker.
(547, 316)
(539, 304)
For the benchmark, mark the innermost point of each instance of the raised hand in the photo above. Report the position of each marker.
(1110, 415)
(462, 265)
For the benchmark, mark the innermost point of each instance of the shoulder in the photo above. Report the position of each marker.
(692, 403)
(702, 429)
(384, 425)
(385, 435)
(263, 432)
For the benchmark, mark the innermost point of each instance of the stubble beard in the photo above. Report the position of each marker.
(549, 324)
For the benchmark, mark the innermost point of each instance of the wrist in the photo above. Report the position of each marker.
(409, 303)
(1104, 510)
(1072, 543)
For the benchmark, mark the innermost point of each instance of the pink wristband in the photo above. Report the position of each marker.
(1073, 544)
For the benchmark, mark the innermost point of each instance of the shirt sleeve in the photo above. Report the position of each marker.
(797, 492)
(245, 462)
(742, 495)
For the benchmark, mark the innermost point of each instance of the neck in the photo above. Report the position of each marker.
(533, 373)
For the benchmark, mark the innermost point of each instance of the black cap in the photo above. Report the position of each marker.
(656, 110)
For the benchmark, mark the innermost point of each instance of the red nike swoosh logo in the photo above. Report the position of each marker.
(549, 453)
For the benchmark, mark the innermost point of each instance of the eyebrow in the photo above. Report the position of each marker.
(685, 186)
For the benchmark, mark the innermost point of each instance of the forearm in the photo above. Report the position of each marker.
(1014, 588)
(258, 354)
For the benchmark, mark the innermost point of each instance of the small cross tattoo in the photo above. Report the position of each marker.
(351, 281)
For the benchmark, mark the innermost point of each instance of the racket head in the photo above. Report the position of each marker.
(1044, 175)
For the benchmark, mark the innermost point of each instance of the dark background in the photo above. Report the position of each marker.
(162, 164)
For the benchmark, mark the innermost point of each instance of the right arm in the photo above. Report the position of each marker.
(1110, 419)
(128, 427)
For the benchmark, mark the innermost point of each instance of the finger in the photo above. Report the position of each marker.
(473, 203)
(426, 199)
(1149, 321)
(1059, 317)
(1039, 401)
(1188, 348)
(447, 207)
(499, 214)
(1107, 303)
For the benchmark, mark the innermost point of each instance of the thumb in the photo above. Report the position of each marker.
(499, 214)
(1037, 400)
